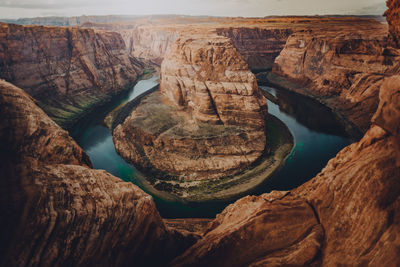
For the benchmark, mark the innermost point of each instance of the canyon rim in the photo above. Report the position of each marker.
(230, 106)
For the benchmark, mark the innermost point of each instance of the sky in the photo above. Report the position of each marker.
(247, 8)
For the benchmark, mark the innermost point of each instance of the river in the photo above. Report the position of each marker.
(318, 138)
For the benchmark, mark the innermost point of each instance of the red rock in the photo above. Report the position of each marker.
(209, 120)
(393, 19)
(67, 70)
(57, 211)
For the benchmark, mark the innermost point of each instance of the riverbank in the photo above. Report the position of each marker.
(103, 107)
(274, 80)
(280, 143)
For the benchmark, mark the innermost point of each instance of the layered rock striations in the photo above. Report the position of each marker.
(67, 70)
(343, 69)
(259, 47)
(347, 215)
(207, 122)
(393, 19)
(57, 211)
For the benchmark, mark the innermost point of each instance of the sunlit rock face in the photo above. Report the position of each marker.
(67, 70)
(209, 119)
(57, 211)
(209, 77)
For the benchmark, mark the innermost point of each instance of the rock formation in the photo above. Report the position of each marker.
(208, 121)
(259, 47)
(393, 19)
(67, 70)
(343, 68)
(347, 215)
(57, 211)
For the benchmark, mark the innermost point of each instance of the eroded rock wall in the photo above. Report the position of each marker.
(347, 215)
(259, 47)
(344, 70)
(67, 70)
(393, 19)
(208, 76)
(57, 211)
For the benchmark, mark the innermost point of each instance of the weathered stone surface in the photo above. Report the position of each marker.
(68, 70)
(259, 47)
(57, 211)
(209, 77)
(347, 215)
(208, 121)
(344, 68)
(393, 19)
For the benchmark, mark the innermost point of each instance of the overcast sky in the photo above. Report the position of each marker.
(247, 8)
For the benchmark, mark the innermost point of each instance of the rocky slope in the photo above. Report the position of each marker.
(57, 211)
(347, 215)
(208, 96)
(343, 68)
(67, 70)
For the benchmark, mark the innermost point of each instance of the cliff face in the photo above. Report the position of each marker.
(347, 215)
(393, 19)
(258, 47)
(150, 43)
(208, 121)
(342, 69)
(67, 70)
(208, 76)
(56, 210)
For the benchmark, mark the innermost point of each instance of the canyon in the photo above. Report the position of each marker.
(207, 122)
(60, 211)
(69, 71)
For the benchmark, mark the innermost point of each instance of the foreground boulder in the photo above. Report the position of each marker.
(57, 211)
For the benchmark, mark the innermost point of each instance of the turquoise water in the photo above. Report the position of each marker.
(317, 134)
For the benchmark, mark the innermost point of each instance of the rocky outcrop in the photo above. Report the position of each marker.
(393, 19)
(208, 121)
(67, 70)
(57, 211)
(150, 43)
(347, 215)
(209, 77)
(344, 70)
(259, 47)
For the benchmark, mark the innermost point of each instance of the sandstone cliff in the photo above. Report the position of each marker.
(343, 68)
(393, 19)
(57, 211)
(259, 47)
(347, 215)
(208, 121)
(67, 70)
(150, 43)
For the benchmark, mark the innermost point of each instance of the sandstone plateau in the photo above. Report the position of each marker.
(69, 71)
(208, 120)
